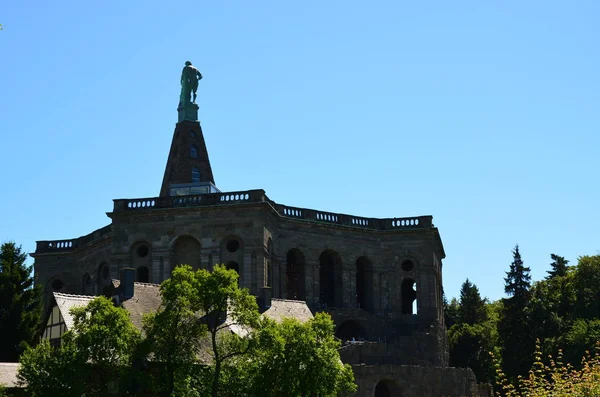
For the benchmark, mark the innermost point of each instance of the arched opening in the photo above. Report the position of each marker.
(382, 389)
(57, 285)
(86, 285)
(233, 265)
(330, 279)
(143, 274)
(364, 283)
(186, 251)
(103, 277)
(351, 330)
(409, 296)
(294, 273)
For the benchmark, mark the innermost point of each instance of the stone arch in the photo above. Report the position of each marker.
(233, 265)
(87, 287)
(186, 251)
(408, 296)
(295, 273)
(103, 278)
(330, 279)
(364, 283)
(387, 388)
(142, 274)
(351, 329)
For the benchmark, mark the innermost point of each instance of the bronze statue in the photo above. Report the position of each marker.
(189, 82)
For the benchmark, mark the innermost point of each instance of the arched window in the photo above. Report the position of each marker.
(194, 151)
(409, 296)
(294, 272)
(382, 390)
(186, 251)
(232, 265)
(330, 275)
(364, 283)
(143, 274)
(195, 174)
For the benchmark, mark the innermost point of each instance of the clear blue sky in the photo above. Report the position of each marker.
(484, 114)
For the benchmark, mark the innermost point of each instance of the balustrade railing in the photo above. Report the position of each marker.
(234, 198)
(71, 244)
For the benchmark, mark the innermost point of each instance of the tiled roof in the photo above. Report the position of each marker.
(284, 308)
(8, 374)
(146, 299)
(66, 302)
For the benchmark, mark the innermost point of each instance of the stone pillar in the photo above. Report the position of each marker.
(347, 285)
(155, 274)
(313, 284)
(280, 283)
(246, 271)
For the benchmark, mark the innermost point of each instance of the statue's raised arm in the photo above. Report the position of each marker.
(189, 83)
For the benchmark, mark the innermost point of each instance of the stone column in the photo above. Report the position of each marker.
(246, 271)
(347, 286)
(155, 269)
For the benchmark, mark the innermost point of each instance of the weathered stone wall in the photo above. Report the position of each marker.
(414, 381)
(254, 238)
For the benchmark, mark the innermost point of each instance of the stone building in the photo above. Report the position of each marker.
(379, 278)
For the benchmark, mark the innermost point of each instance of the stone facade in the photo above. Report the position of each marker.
(380, 279)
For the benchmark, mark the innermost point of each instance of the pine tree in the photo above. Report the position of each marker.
(472, 308)
(517, 341)
(20, 303)
(559, 267)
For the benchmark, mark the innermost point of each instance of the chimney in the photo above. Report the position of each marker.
(265, 299)
(126, 286)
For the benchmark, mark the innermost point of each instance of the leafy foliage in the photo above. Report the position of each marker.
(20, 303)
(517, 343)
(93, 357)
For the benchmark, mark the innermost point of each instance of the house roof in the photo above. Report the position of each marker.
(146, 299)
(8, 374)
(285, 308)
(66, 302)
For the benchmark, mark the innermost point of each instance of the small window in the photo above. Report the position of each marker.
(232, 245)
(192, 134)
(194, 151)
(195, 174)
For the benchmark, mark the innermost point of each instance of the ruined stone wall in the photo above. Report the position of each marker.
(414, 381)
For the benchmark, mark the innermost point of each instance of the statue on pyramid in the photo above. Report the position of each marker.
(189, 83)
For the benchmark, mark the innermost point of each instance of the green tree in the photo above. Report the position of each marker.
(297, 359)
(472, 307)
(559, 266)
(471, 337)
(450, 311)
(93, 359)
(587, 287)
(20, 303)
(517, 342)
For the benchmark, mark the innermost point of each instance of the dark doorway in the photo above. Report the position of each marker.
(232, 265)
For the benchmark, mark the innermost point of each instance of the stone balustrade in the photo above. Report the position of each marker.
(236, 198)
(67, 245)
(255, 196)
